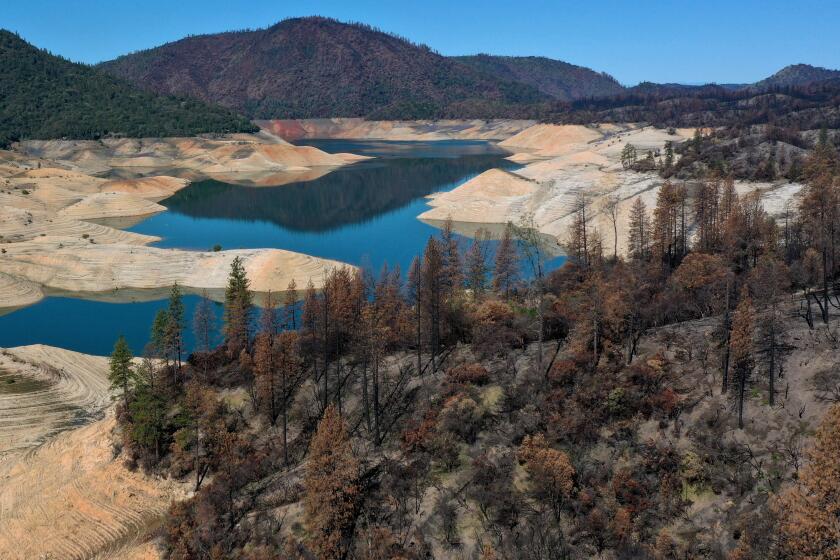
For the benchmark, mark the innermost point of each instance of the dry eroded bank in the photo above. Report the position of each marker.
(562, 162)
(53, 211)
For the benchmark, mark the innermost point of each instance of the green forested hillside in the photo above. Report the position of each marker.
(45, 96)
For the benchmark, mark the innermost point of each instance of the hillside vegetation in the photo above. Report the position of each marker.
(318, 67)
(659, 407)
(44, 96)
(556, 78)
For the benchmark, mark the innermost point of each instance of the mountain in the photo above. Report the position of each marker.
(45, 96)
(797, 75)
(319, 67)
(555, 78)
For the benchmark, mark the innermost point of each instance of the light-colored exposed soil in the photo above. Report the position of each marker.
(62, 493)
(71, 499)
(44, 390)
(59, 223)
(80, 267)
(241, 153)
(563, 162)
(361, 129)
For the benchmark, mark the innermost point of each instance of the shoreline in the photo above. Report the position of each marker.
(61, 226)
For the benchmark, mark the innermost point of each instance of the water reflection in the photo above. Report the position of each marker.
(347, 196)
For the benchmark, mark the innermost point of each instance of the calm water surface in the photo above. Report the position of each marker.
(364, 214)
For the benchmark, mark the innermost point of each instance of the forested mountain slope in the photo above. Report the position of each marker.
(319, 67)
(556, 78)
(45, 96)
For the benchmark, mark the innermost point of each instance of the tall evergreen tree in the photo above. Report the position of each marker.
(638, 241)
(159, 340)
(121, 371)
(506, 271)
(238, 308)
(204, 322)
(476, 264)
(290, 305)
(175, 328)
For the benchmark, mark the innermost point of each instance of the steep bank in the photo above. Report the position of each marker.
(46, 390)
(71, 498)
(63, 494)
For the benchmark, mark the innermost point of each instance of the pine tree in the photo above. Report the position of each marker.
(148, 417)
(432, 293)
(741, 350)
(769, 280)
(121, 371)
(809, 511)
(506, 272)
(175, 327)
(331, 488)
(476, 264)
(159, 337)
(265, 375)
(579, 242)
(288, 366)
(453, 270)
(290, 305)
(414, 286)
(628, 156)
(204, 320)
(669, 155)
(638, 243)
(238, 308)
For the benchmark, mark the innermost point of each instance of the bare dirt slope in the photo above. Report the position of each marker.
(44, 390)
(361, 129)
(71, 499)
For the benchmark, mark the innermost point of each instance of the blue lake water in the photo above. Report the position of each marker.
(364, 214)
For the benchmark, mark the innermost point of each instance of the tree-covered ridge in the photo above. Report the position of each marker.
(556, 78)
(44, 96)
(319, 67)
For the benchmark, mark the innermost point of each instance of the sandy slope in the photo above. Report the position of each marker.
(563, 162)
(361, 129)
(59, 223)
(241, 153)
(64, 389)
(70, 499)
(62, 492)
(80, 267)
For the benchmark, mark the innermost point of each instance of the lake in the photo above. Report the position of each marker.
(364, 214)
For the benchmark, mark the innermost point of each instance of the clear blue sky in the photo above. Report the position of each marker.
(687, 41)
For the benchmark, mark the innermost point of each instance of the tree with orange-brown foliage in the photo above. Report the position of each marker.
(703, 279)
(331, 484)
(550, 470)
(741, 349)
(809, 513)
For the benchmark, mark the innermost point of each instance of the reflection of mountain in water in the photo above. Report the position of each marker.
(347, 196)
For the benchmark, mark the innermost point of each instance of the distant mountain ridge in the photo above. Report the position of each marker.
(314, 67)
(45, 96)
(319, 67)
(556, 78)
(798, 75)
